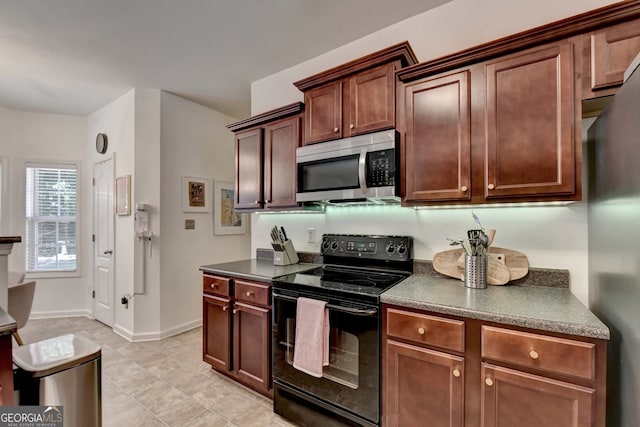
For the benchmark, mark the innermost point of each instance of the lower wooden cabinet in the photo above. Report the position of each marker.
(492, 376)
(423, 387)
(516, 398)
(236, 330)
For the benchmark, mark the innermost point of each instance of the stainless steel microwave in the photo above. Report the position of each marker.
(360, 168)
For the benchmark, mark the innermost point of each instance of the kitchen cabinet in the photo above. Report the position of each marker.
(445, 370)
(6, 370)
(423, 385)
(496, 131)
(355, 98)
(265, 159)
(508, 395)
(236, 330)
(607, 53)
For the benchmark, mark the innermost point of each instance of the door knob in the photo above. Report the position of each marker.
(108, 252)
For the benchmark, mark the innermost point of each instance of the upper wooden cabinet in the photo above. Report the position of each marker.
(354, 98)
(265, 159)
(531, 145)
(437, 154)
(499, 130)
(607, 54)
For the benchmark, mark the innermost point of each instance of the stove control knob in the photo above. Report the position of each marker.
(325, 244)
(401, 248)
(334, 245)
(390, 247)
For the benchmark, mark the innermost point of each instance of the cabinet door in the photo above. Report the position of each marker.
(422, 387)
(216, 337)
(323, 113)
(532, 139)
(371, 101)
(438, 139)
(252, 361)
(280, 142)
(612, 50)
(248, 149)
(514, 398)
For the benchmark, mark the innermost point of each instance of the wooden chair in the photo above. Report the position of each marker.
(20, 302)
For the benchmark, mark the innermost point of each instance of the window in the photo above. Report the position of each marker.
(51, 209)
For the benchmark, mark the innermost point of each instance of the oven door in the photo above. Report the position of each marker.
(351, 380)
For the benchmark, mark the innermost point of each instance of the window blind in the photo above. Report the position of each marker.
(51, 208)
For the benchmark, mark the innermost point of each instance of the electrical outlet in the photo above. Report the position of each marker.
(311, 235)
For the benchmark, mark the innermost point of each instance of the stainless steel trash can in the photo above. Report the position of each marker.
(63, 371)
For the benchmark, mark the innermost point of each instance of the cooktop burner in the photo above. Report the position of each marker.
(355, 266)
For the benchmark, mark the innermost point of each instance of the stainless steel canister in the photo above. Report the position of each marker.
(475, 271)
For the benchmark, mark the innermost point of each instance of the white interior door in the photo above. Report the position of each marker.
(103, 246)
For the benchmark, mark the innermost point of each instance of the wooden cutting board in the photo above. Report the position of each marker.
(451, 263)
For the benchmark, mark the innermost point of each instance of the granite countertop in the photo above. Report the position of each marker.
(7, 323)
(545, 308)
(261, 270)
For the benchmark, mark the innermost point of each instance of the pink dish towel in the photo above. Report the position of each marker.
(311, 350)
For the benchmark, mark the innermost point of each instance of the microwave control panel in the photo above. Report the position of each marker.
(381, 168)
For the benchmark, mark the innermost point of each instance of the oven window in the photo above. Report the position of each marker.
(336, 173)
(343, 354)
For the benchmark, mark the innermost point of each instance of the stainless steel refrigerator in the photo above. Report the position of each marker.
(614, 244)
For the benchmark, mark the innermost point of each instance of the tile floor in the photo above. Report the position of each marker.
(161, 383)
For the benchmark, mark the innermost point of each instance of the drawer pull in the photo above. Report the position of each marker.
(488, 381)
(224, 308)
(214, 286)
(534, 355)
(464, 188)
(421, 331)
(491, 186)
(456, 373)
(249, 293)
(351, 126)
(336, 130)
(235, 310)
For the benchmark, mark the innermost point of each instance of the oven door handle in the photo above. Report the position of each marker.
(349, 310)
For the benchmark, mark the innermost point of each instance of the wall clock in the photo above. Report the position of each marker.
(101, 143)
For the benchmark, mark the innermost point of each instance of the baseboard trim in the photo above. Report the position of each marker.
(155, 336)
(60, 313)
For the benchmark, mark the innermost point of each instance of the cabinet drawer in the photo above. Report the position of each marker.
(425, 329)
(254, 293)
(216, 285)
(551, 354)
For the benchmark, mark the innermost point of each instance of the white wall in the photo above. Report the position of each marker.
(117, 120)
(46, 137)
(551, 237)
(195, 143)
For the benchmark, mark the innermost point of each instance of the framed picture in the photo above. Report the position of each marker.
(123, 195)
(225, 220)
(195, 194)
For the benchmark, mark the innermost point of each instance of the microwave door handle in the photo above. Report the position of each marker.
(362, 168)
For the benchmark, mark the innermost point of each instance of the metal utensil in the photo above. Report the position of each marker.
(477, 220)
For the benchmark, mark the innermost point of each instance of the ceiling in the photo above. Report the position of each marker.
(75, 56)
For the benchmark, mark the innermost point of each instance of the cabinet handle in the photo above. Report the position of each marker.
(488, 381)
(456, 373)
(491, 186)
(250, 293)
(534, 354)
(336, 130)
(256, 202)
(235, 310)
(421, 331)
(214, 286)
(224, 308)
(464, 188)
(351, 126)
